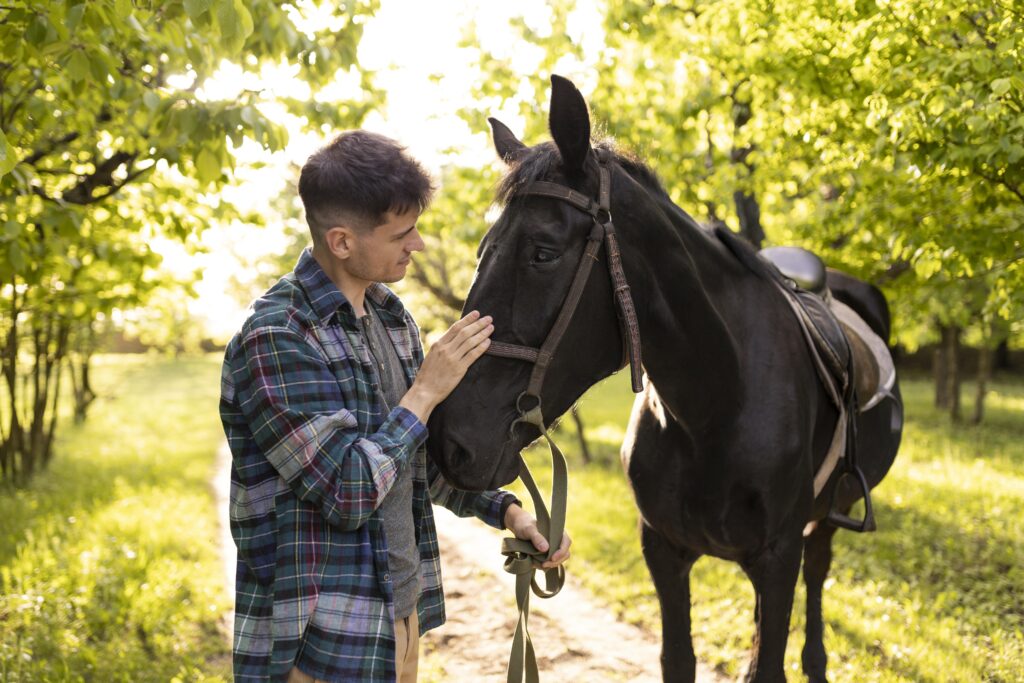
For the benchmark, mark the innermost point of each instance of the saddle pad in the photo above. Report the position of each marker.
(879, 353)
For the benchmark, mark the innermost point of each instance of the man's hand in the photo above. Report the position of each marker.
(446, 364)
(524, 526)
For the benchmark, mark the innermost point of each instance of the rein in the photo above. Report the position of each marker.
(521, 558)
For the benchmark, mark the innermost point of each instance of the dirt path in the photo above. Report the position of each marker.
(576, 638)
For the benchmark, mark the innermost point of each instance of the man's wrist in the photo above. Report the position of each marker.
(506, 505)
(418, 402)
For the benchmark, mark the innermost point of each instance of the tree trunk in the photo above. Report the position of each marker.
(55, 363)
(985, 357)
(13, 443)
(954, 377)
(79, 362)
(584, 447)
(1002, 356)
(81, 387)
(749, 213)
(940, 370)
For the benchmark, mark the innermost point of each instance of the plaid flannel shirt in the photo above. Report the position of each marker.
(314, 453)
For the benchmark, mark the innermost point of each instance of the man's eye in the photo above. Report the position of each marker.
(544, 256)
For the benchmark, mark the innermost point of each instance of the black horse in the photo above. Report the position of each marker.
(724, 441)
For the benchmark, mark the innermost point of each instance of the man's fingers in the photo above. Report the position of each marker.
(561, 555)
(538, 540)
(453, 331)
(471, 330)
(472, 344)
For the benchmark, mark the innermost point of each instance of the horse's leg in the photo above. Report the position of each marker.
(774, 575)
(817, 558)
(670, 569)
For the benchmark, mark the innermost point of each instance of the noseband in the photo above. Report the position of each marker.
(521, 558)
(603, 231)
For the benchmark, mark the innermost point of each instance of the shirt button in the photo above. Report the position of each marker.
(387, 577)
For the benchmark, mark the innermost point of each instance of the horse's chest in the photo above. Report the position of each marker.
(696, 498)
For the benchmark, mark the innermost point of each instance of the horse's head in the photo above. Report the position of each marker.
(527, 262)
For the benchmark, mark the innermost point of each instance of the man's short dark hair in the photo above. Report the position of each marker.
(356, 179)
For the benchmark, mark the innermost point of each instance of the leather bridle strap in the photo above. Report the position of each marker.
(522, 559)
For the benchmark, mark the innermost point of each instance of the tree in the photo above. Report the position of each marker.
(885, 136)
(109, 137)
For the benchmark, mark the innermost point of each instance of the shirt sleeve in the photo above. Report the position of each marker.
(293, 404)
(488, 506)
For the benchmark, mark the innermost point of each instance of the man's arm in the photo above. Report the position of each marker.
(499, 509)
(292, 401)
(488, 506)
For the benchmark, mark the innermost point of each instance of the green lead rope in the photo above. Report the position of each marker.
(523, 559)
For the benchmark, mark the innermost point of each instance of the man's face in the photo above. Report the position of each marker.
(383, 254)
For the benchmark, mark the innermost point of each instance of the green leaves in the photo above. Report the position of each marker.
(196, 8)
(888, 136)
(235, 23)
(208, 166)
(8, 157)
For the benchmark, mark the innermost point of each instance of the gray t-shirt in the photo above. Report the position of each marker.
(396, 509)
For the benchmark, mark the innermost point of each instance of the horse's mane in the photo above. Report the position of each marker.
(537, 163)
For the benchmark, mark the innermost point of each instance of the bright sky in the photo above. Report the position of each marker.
(406, 43)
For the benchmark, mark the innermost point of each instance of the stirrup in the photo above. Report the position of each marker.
(842, 521)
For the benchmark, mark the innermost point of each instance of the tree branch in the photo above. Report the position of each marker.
(17, 103)
(896, 269)
(50, 147)
(103, 176)
(1001, 180)
(441, 292)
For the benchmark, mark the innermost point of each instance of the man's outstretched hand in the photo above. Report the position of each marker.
(524, 526)
(446, 364)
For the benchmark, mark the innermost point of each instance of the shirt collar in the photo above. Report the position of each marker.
(325, 297)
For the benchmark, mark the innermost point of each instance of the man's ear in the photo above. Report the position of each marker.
(338, 241)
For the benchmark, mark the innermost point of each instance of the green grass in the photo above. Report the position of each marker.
(109, 568)
(937, 594)
(109, 564)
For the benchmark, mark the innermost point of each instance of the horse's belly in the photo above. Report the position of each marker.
(720, 517)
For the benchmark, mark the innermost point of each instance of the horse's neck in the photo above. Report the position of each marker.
(689, 353)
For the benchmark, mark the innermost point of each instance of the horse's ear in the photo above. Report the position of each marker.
(569, 123)
(506, 143)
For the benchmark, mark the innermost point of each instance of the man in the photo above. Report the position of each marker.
(325, 394)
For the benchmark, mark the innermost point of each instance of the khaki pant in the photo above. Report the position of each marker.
(407, 653)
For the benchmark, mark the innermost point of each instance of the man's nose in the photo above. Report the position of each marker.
(416, 244)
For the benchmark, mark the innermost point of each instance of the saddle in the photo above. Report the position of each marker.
(853, 363)
(836, 329)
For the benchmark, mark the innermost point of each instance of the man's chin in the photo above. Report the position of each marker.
(395, 276)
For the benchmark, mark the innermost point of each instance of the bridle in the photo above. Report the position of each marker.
(603, 231)
(521, 558)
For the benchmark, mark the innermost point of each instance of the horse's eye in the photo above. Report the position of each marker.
(544, 256)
